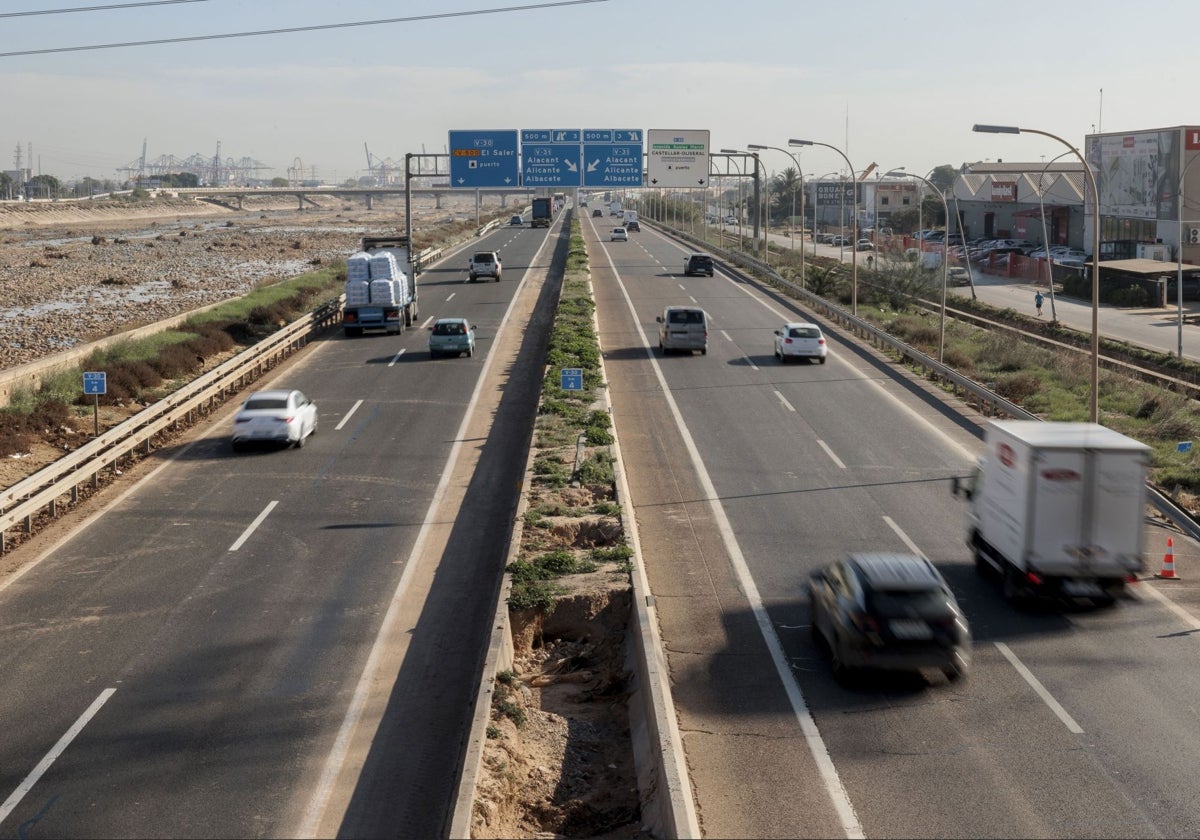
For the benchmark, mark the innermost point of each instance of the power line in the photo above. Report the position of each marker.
(291, 30)
(96, 8)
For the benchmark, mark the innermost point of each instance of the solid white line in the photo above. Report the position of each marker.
(783, 400)
(58, 749)
(310, 823)
(1190, 620)
(808, 727)
(1037, 686)
(258, 520)
(836, 460)
(349, 414)
(396, 358)
(452, 294)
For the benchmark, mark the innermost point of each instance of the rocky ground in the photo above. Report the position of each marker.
(73, 273)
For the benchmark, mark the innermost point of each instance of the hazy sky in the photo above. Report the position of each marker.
(897, 83)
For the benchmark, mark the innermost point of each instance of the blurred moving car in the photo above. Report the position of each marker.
(618, 235)
(278, 415)
(889, 611)
(697, 264)
(451, 336)
(864, 245)
(956, 275)
(800, 340)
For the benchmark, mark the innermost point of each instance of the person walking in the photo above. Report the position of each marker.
(1037, 301)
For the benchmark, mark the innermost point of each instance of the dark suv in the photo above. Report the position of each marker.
(889, 611)
(697, 264)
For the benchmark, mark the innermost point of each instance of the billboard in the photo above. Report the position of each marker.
(1137, 175)
(835, 193)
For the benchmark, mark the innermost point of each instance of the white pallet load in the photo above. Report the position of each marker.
(383, 293)
(384, 266)
(358, 293)
(358, 266)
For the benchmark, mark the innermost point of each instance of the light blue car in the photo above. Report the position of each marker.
(451, 336)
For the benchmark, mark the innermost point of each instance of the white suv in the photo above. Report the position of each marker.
(484, 264)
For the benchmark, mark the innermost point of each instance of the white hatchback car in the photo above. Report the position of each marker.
(618, 235)
(800, 340)
(281, 416)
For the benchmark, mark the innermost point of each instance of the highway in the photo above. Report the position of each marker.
(746, 475)
(285, 643)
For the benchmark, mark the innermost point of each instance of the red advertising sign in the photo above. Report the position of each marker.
(1004, 190)
(1191, 138)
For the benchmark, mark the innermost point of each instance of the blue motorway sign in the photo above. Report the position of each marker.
(550, 164)
(484, 159)
(612, 164)
(95, 382)
(572, 379)
(551, 135)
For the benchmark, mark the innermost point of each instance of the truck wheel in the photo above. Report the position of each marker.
(353, 332)
(952, 674)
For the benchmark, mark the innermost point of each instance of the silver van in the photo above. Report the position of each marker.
(683, 328)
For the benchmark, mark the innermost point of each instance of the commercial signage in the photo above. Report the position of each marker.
(677, 158)
(1004, 190)
(483, 159)
(835, 193)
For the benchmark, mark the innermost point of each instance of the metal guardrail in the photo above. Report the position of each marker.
(987, 401)
(44, 489)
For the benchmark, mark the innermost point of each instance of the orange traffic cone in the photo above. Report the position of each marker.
(1168, 567)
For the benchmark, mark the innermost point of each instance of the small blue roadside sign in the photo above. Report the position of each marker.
(572, 379)
(484, 159)
(95, 382)
(1183, 446)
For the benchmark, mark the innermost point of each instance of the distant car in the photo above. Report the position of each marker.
(616, 212)
(280, 416)
(956, 275)
(484, 264)
(516, 221)
(800, 341)
(632, 226)
(597, 213)
(697, 264)
(731, 220)
(865, 245)
(839, 240)
(618, 235)
(889, 611)
(451, 336)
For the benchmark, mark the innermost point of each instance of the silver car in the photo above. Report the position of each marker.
(451, 336)
(280, 416)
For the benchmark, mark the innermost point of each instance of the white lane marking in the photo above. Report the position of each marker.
(258, 520)
(692, 299)
(310, 822)
(783, 400)
(1190, 620)
(904, 538)
(833, 457)
(750, 362)
(427, 322)
(452, 294)
(349, 414)
(681, 287)
(727, 338)
(1040, 689)
(58, 749)
(808, 727)
(396, 358)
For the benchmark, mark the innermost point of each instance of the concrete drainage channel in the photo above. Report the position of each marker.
(664, 793)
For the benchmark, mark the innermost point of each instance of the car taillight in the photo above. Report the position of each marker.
(820, 341)
(787, 341)
(864, 622)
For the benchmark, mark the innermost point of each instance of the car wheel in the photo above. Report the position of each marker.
(841, 672)
(299, 444)
(238, 446)
(433, 354)
(953, 674)
(703, 351)
(822, 360)
(470, 352)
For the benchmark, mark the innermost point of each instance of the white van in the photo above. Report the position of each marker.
(683, 328)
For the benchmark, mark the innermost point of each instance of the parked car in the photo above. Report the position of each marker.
(956, 275)
(800, 340)
(279, 416)
(618, 235)
(840, 240)
(865, 245)
(697, 264)
(731, 220)
(484, 264)
(451, 336)
(683, 328)
(516, 221)
(889, 611)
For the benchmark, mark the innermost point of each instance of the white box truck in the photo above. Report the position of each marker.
(1056, 509)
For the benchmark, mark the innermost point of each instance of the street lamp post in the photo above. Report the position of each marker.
(795, 160)
(900, 173)
(757, 201)
(1094, 406)
(854, 221)
(1046, 236)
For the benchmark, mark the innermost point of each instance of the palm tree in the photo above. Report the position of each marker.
(784, 191)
